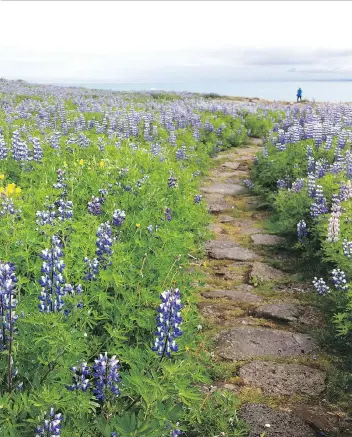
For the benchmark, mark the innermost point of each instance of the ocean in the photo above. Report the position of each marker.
(329, 91)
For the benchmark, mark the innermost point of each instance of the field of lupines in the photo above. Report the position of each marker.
(100, 214)
(305, 171)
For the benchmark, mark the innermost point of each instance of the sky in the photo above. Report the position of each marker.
(183, 41)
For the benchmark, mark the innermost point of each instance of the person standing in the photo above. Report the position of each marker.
(299, 94)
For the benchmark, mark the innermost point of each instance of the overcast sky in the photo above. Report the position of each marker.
(175, 41)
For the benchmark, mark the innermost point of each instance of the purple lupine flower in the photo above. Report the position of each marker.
(321, 286)
(114, 434)
(334, 220)
(321, 168)
(3, 148)
(248, 183)
(53, 283)
(297, 185)
(198, 198)
(7, 206)
(64, 209)
(181, 153)
(37, 150)
(106, 377)
(168, 323)
(172, 182)
(45, 217)
(94, 206)
(339, 280)
(168, 214)
(311, 185)
(51, 425)
(319, 206)
(301, 230)
(91, 269)
(61, 180)
(118, 217)
(80, 377)
(347, 248)
(104, 243)
(348, 164)
(281, 184)
(175, 432)
(265, 152)
(8, 302)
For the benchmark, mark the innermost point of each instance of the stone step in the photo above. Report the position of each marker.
(262, 272)
(219, 249)
(241, 293)
(283, 379)
(267, 240)
(262, 418)
(246, 342)
(225, 189)
(289, 313)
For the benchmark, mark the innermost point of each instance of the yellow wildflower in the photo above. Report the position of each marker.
(2, 177)
(18, 190)
(2, 189)
(187, 348)
(10, 189)
(81, 162)
(101, 164)
(65, 164)
(138, 225)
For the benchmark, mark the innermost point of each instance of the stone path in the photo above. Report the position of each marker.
(257, 314)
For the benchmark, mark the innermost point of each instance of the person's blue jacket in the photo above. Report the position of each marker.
(299, 92)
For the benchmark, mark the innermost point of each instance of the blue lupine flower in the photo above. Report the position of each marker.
(297, 185)
(281, 184)
(3, 148)
(301, 230)
(8, 302)
(91, 268)
(198, 198)
(94, 206)
(80, 377)
(64, 209)
(37, 150)
(168, 214)
(172, 182)
(321, 286)
(168, 322)
(52, 281)
(106, 377)
(61, 180)
(339, 280)
(347, 248)
(118, 217)
(104, 243)
(248, 183)
(51, 426)
(319, 206)
(311, 185)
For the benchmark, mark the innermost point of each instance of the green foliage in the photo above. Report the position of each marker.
(120, 307)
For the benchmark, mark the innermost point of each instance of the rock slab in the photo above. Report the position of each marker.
(266, 240)
(225, 189)
(251, 342)
(274, 423)
(263, 272)
(289, 313)
(283, 379)
(238, 294)
(219, 249)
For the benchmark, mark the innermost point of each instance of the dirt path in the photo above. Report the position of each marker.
(258, 314)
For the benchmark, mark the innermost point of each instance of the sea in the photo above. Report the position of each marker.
(319, 91)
